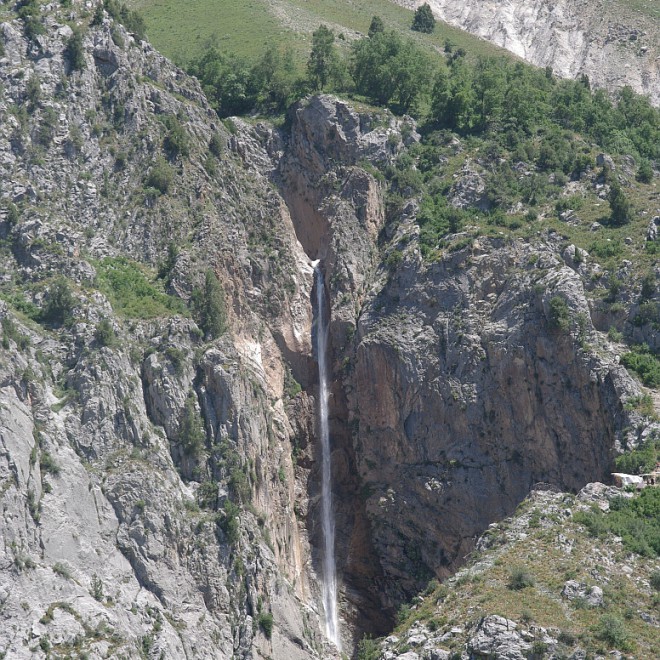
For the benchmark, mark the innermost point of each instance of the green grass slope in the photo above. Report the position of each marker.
(247, 28)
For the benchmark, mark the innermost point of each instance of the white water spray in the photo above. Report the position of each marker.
(327, 516)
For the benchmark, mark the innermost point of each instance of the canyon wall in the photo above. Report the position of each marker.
(160, 485)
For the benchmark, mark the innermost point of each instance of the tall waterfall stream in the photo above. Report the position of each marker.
(327, 515)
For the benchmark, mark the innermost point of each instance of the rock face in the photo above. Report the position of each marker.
(467, 355)
(609, 42)
(146, 478)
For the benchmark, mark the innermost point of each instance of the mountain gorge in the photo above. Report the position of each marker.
(159, 462)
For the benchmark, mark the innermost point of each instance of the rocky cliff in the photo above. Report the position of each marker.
(613, 43)
(158, 469)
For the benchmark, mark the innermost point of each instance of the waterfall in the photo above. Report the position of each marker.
(327, 515)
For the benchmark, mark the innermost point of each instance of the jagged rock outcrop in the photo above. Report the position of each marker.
(610, 42)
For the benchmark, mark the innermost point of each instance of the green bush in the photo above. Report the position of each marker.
(62, 570)
(216, 145)
(208, 305)
(33, 92)
(105, 334)
(176, 142)
(207, 494)
(368, 649)
(131, 19)
(47, 464)
(520, 578)
(612, 630)
(228, 521)
(636, 521)
(160, 176)
(645, 364)
(29, 13)
(266, 623)
(655, 580)
(640, 460)
(191, 432)
(75, 50)
(559, 314)
(47, 127)
(645, 172)
(620, 207)
(59, 303)
(13, 215)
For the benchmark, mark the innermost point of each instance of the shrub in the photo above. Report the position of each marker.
(13, 215)
(376, 26)
(176, 142)
(47, 464)
(62, 570)
(655, 580)
(131, 19)
(97, 588)
(29, 13)
(33, 91)
(612, 630)
(216, 145)
(645, 172)
(645, 364)
(620, 207)
(614, 335)
(266, 624)
(559, 314)
(191, 432)
(520, 578)
(131, 292)
(229, 521)
(207, 494)
(209, 306)
(75, 50)
(648, 286)
(47, 127)
(636, 521)
(640, 460)
(177, 357)
(160, 177)
(105, 334)
(59, 304)
(368, 649)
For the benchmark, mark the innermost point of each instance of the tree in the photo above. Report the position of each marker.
(322, 59)
(423, 20)
(377, 26)
(191, 432)
(226, 81)
(75, 51)
(60, 303)
(390, 70)
(209, 305)
(620, 207)
(645, 172)
(274, 78)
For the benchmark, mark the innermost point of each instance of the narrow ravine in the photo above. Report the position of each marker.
(327, 514)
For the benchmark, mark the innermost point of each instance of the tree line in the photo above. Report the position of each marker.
(469, 97)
